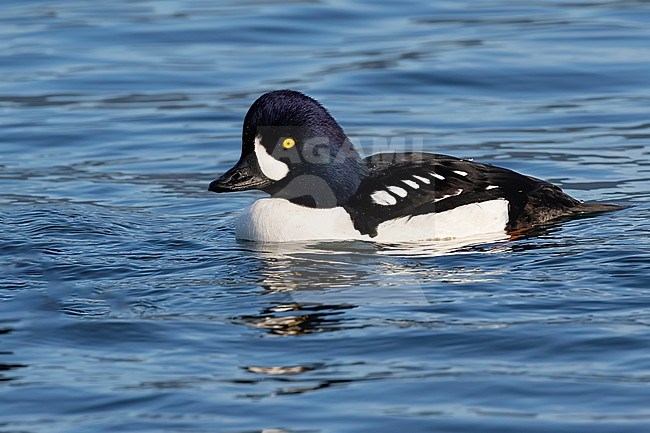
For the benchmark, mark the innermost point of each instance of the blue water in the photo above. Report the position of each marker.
(127, 305)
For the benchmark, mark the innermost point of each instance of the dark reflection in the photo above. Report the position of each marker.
(7, 368)
(282, 370)
(293, 278)
(278, 380)
(297, 319)
(290, 379)
(295, 389)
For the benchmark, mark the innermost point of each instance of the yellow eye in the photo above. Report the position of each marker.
(288, 143)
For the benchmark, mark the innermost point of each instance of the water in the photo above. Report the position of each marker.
(127, 305)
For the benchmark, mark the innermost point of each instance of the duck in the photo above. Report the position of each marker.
(322, 189)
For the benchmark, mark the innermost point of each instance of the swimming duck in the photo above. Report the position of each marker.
(321, 188)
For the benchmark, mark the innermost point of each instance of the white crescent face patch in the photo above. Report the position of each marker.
(271, 167)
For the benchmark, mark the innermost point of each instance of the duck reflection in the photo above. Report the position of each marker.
(327, 286)
(280, 380)
(308, 288)
(296, 318)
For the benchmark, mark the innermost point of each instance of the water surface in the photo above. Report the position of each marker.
(127, 305)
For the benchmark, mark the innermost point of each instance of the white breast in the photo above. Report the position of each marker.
(279, 220)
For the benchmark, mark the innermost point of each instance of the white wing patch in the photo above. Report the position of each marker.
(460, 172)
(383, 198)
(271, 167)
(458, 191)
(410, 183)
(491, 187)
(437, 176)
(422, 179)
(397, 190)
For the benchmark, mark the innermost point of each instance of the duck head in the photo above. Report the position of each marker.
(292, 148)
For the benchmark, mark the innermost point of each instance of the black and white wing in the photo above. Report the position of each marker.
(409, 184)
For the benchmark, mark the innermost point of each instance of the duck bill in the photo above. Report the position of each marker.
(241, 177)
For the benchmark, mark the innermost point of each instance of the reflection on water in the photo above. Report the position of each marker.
(331, 265)
(310, 287)
(297, 319)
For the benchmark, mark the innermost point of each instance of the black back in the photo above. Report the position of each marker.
(464, 182)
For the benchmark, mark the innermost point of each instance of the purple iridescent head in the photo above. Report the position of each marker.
(293, 148)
